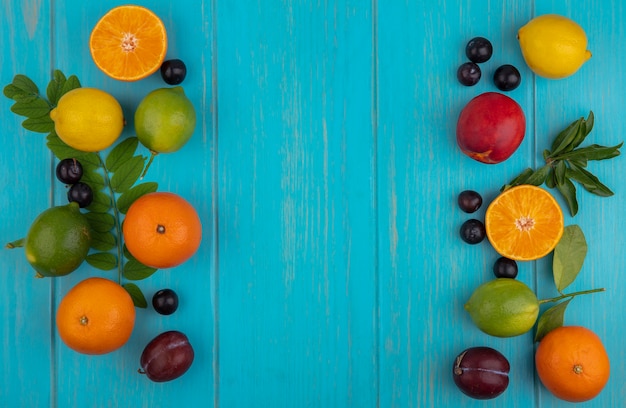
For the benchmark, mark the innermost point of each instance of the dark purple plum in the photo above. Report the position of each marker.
(69, 171)
(473, 231)
(505, 268)
(81, 193)
(165, 301)
(481, 372)
(469, 201)
(168, 356)
(479, 50)
(468, 73)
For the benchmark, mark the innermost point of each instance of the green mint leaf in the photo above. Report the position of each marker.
(590, 182)
(139, 300)
(538, 177)
(135, 270)
(551, 178)
(559, 173)
(100, 222)
(103, 241)
(589, 123)
(102, 260)
(42, 124)
(551, 319)
(569, 256)
(55, 87)
(33, 109)
(129, 197)
(101, 202)
(127, 174)
(594, 152)
(568, 191)
(121, 153)
(563, 139)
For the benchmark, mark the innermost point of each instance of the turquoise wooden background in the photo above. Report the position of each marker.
(325, 171)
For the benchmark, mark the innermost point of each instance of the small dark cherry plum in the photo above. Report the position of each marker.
(490, 127)
(81, 193)
(468, 74)
(505, 268)
(481, 372)
(173, 71)
(479, 50)
(168, 356)
(506, 77)
(469, 201)
(165, 301)
(473, 231)
(69, 171)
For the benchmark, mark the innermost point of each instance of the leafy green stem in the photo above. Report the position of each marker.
(570, 295)
(118, 223)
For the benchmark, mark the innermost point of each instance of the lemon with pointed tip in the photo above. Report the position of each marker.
(88, 119)
(553, 46)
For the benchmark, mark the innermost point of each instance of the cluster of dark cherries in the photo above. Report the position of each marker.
(479, 49)
(473, 232)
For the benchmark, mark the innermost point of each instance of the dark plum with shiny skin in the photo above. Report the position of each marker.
(469, 201)
(168, 356)
(468, 74)
(165, 301)
(81, 193)
(479, 49)
(481, 372)
(473, 231)
(173, 71)
(506, 78)
(69, 171)
(505, 268)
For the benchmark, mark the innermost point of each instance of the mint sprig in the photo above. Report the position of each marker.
(114, 179)
(566, 164)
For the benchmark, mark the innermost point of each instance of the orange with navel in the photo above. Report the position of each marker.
(572, 363)
(162, 230)
(96, 316)
(128, 43)
(524, 223)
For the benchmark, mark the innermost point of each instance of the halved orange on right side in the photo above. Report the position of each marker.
(128, 43)
(524, 223)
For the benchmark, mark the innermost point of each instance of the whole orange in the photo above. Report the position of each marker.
(572, 363)
(96, 316)
(162, 230)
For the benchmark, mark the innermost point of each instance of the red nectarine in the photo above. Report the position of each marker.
(490, 127)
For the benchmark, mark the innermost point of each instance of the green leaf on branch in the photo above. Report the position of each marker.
(35, 108)
(569, 255)
(100, 222)
(25, 85)
(590, 182)
(103, 241)
(63, 151)
(55, 87)
(104, 261)
(71, 83)
(129, 197)
(551, 319)
(568, 191)
(127, 174)
(42, 124)
(121, 153)
(101, 202)
(135, 270)
(139, 300)
(538, 177)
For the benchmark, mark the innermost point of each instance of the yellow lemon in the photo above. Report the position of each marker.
(88, 119)
(553, 46)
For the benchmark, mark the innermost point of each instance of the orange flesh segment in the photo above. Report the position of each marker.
(524, 223)
(129, 43)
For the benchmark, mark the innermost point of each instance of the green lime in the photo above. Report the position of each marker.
(58, 240)
(165, 120)
(503, 307)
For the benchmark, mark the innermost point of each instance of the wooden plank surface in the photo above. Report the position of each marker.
(325, 170)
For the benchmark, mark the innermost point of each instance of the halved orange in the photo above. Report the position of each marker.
(128, 43)
(524, 223)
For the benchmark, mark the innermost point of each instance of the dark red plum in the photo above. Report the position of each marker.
(168, 356)
(481, 372)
